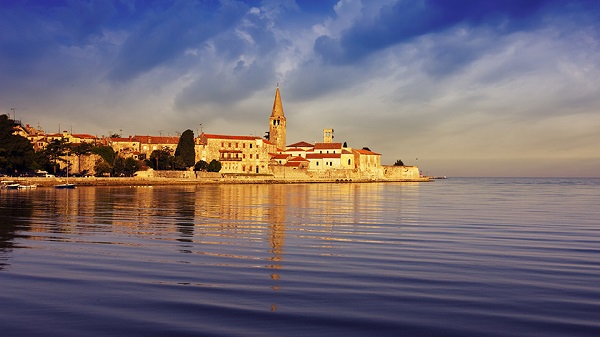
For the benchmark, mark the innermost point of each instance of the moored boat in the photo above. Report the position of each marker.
(65, 186)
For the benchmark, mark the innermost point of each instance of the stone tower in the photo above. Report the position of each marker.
(327, 135)
(277, 122)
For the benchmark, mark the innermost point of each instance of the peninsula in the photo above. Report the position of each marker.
(209, 158)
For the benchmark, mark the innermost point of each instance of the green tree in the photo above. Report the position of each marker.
(214, 166)
(186, 149)
(107, 153)
(81, 149)
(125, 167)
(161, 159)
(54, 152)
(399, 163)
(179, 164)
(102, 168)
(16, 152)
(201, 166)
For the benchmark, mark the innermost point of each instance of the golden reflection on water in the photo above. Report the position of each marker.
(218, 214)
(233, 225)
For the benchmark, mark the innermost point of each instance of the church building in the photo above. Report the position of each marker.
(277, 124)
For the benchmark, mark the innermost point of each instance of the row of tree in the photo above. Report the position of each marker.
(18, 157)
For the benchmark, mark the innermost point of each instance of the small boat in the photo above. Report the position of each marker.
(65, 186)
(22, 187)
(13, 186)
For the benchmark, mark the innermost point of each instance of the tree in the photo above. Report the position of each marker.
(179, 164)
(399, 163)
(214, 166)
(81, 150)
(16, 152)
(186, 148)
(107, 153)
(125, 167)
(161, 159)
(102, 168)
(201, 166)
(53, 153)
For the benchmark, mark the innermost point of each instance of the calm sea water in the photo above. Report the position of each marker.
(455, 257)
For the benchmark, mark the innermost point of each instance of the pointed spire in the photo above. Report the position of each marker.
(277, 106)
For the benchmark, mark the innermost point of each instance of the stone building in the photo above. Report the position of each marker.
(237, 154)
(277, 123)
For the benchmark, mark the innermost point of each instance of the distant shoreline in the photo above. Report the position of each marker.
(136, 181)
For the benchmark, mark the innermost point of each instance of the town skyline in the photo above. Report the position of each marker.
(500, 89)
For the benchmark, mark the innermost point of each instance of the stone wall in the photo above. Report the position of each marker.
(401, 172)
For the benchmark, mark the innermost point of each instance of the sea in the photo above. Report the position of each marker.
(452, 257)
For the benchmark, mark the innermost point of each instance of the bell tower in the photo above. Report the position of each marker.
(277, 122)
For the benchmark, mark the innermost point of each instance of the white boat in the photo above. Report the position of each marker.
(22, 187)
(66, 185)
(12, 186)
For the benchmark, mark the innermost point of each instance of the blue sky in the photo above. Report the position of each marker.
(469, 87)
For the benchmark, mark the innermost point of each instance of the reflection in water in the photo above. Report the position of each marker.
(208, 215)
(301, 259)
(202, 219)
(15, 214)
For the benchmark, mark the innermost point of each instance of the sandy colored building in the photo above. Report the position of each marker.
(237, 154)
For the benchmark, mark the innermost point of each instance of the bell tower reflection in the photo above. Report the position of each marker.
(277, 218)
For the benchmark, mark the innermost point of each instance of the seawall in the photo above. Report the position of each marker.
(201, 179)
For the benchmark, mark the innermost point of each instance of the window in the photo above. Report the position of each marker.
(250, 145)
(250, 155)
(349, 162)
(257, 156)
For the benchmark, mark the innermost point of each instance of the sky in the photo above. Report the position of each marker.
(456, 87)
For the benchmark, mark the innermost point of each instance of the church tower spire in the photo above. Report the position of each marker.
(277, 124)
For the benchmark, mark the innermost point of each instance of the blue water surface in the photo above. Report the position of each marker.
(454, 257)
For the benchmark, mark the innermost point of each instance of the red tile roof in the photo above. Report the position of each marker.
(300, 144)
(84, 136)
(157, 139)
(298, 159)
(367, 152)
(211, 136)
(123, 140)
(328, 146)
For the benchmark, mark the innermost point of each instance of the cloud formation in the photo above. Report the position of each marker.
(469, 87)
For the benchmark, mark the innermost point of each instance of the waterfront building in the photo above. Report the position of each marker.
(237, 154)
(147, 144)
